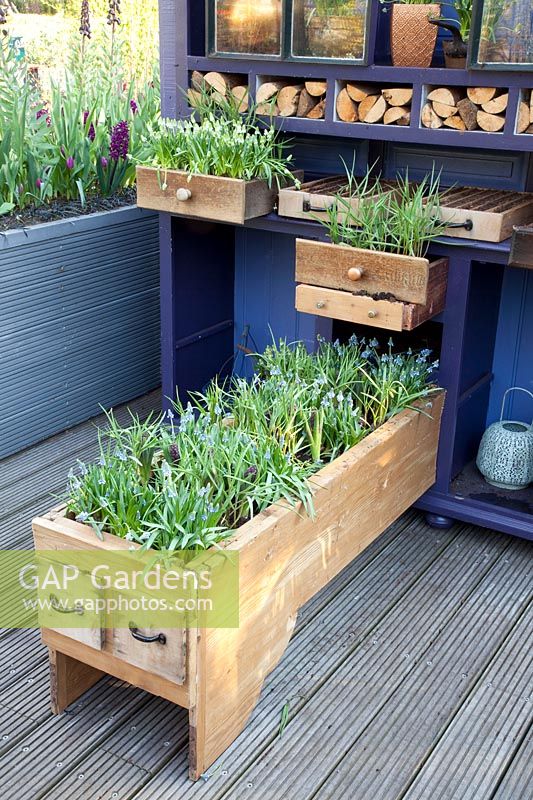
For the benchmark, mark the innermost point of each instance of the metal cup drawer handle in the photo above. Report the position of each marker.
(61, 609)
(158, 638)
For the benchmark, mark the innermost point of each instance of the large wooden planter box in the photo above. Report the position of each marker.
(204, 196)
(342, 283)
(284, 559)
(73, 292)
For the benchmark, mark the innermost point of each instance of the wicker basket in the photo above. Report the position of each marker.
(413, 37)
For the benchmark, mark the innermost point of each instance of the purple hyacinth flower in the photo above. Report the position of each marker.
(104, 162)
(120, 139)
(134, 107)
(70, 163)
(43, 112)
(91, 133)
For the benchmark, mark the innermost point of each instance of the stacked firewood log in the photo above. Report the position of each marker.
(368, 103)
(477, 108)
(525, 113)
(220, 85)
(284, 98)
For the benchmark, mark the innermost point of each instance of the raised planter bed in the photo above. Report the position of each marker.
(73, 292)
(346, 283)
(204, 196)
(284, 559)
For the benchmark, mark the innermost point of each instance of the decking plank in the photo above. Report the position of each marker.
(55, 746)
(139, 747)
(392, 747)
(347, 658)
(363, 685)
(518, 780)
(100, 776)
(477, 748)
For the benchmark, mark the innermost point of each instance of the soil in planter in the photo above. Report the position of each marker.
(63, 209)
(379, 296)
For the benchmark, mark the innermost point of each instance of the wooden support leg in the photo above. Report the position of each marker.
(69, 679)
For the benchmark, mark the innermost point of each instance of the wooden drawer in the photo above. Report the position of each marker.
(62, 609)
(393, 315)
(164, 656)
(473, 213)
(334, 266)
(522, 247)
(204, 196)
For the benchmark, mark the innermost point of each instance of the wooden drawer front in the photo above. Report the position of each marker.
(339, 267)
(522, 248)
(492, 213)
(92, 636)
(166, 659)
(395, 316)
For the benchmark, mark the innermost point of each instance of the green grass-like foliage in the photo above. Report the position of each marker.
(186, 481)
(219, 141)
(404, 220)
(58, 146)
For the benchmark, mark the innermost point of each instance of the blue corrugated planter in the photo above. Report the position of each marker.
(79, 320)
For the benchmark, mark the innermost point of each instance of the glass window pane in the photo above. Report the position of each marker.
(248, 26)
(329, 28)
(506, 35)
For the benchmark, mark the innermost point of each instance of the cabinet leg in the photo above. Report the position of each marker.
(438, 521)
(69, 679)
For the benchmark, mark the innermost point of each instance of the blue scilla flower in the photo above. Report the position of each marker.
(366, 353)
(202, 491)
(83, 516)
(212, 509)
(165, 469)
(373, 342)
(218, 410)
(82, 468)
(192, 516)
(101, 480)
(121, 455)
(102, 462)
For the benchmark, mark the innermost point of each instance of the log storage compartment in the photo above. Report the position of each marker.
(371, 103)
(204, 196)
(383, 290)
(282, 97)
(285, 558)
(524, 123)
(221, 86)
(476, 108)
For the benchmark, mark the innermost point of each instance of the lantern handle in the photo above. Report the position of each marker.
(513, 389)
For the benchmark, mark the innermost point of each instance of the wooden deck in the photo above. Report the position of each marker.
(409, 676)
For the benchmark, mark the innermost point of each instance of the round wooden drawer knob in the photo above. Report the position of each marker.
(183, 194)
(355, 273)
(321, 304)
(372, 314)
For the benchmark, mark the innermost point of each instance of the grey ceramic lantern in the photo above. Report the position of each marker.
(505, 456)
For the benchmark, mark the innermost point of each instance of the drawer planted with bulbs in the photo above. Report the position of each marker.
(385, 290)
